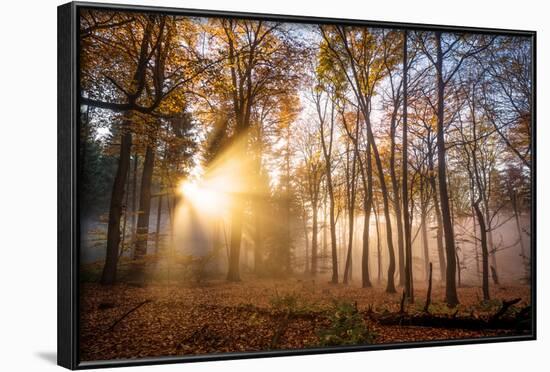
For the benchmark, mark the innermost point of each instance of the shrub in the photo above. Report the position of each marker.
(287, 303)
(347, 327)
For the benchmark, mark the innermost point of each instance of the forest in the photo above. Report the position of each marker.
(253, 185)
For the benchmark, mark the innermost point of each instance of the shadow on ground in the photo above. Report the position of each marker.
(48, 356)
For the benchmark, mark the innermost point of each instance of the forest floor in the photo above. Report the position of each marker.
(163, 319)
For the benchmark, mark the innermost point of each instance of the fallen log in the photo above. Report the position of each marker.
(505, 306)
(520, 321)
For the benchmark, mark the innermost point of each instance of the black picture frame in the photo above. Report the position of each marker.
(68, 185)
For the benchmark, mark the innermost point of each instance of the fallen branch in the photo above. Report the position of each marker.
(127, 313)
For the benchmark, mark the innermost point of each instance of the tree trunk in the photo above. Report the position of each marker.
(306, 237)
(159, 214)
(333, 247)
(237, 215)
(233, 274)
(424, 230)
(492, 249)
(390, 288)
(351, 216)
(409, 290)
(429, 294)
(518, 225)
(397, 205)
(216, 243)
(450, 289)
(458, 270)
(478, 269)
(484, 251)
(84, 135)
(258, 247)
(438, 219)
(325, 225)
(327, 152)
(314, 239)
(396, 197)
(332, 218)
(125, 217)
(367, 183)
(133, 226)
(288, 196)
(108, 276)
(145, 203)
(378, 246)
(365, 276)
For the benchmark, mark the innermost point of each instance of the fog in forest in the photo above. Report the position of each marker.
(195, 237)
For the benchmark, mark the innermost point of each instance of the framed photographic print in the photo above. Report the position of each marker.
(235, 185)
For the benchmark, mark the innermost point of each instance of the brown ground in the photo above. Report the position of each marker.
(221, 317)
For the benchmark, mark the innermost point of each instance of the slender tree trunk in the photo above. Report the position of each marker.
(84, 136)
(397, 203)
(367, 184)
(425, 247)
(172, 212)
(108, 276)
(343, 245)
(327, 153)
(159, 214)
(409, 290)
(237, 215)
(325, 226)
(424, 228)
(450, 288)
(518, 224)
(365, 276)
(429, 294)
(237, 212)
(476, 250)
(484, 251)
(288, 254)
(351, 216)
(258, 246)
(125, 218)
(134, 204)
(258, 204)
(333, 247)
(306, 237)
(439, 221)
(216, 243)
(492, 249)
(378, 246)
(145, 203)
(390, 288)
(233, 274)
(458, 270)
(314, 231)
